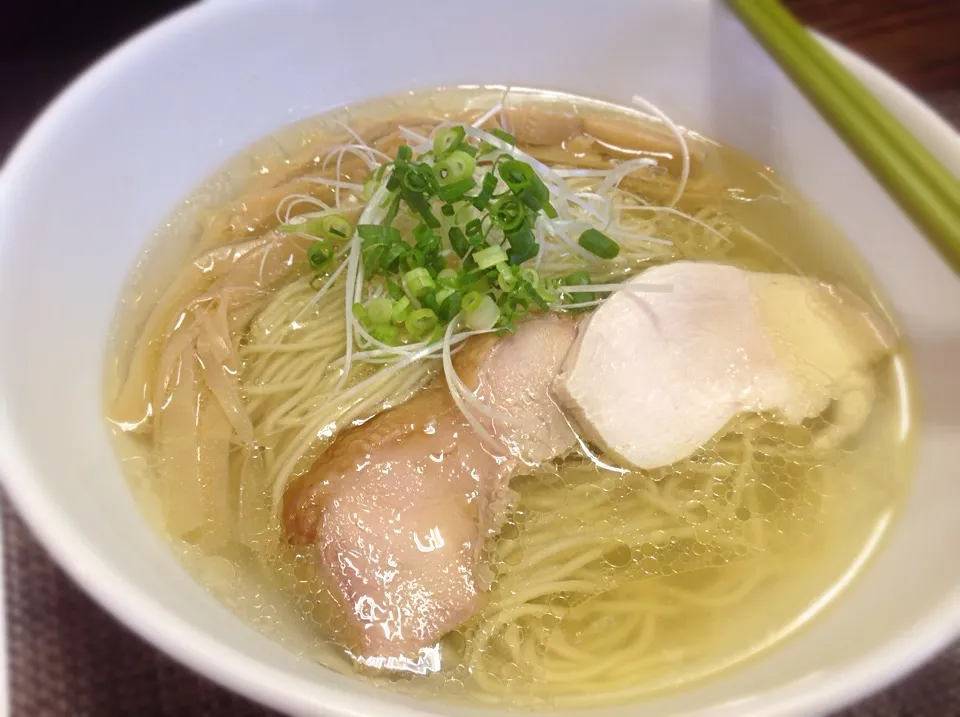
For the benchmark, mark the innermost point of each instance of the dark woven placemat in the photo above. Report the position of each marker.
(68, 658)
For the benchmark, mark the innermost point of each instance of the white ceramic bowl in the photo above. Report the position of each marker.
(100, 170)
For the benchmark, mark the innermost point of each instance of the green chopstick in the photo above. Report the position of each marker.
(913, 177)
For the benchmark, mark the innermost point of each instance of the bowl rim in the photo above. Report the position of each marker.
(137, 610)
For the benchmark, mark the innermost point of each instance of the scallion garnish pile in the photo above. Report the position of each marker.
(454, 231)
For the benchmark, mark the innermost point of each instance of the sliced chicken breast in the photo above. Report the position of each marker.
(652, 377)
(399, 507)
(516, 378)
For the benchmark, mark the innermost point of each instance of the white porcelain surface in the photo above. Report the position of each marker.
(104, 165)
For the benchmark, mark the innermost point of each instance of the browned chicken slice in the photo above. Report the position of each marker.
(399, 507)
(516, 377)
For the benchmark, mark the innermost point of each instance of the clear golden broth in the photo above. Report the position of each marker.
(718, 558)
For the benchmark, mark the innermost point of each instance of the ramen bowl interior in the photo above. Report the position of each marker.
(103, 168)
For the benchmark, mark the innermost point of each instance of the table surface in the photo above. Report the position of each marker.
(66, 656)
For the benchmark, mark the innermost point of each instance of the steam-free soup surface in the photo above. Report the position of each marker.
(636, 449)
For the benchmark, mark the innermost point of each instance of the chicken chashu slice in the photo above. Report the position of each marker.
(398, 508)
(652, 376)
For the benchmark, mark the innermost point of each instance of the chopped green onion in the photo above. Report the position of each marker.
(336, 226)
(394, 290)
(385, 333)
(474, 228)
(436, 336)
(416, 180)
(505, 136)
(454, 168)
(599, 244)
(522, 246)
(531, 276)
(380, 310)
(516, 174)
(490, 256)
(513, 306)
(550, 211)
(458, 242)
(360, 313)
(484, 316)
(448, 278)
(448, 139)
(382, 247)
(524, 182)
(485, 148)
(378, 233)
(443, 294)
(455, 191)
(471, 302)
(578, 278)
(318, 255)
(536, 196)
(425, 238)
(313, 227)
(506, 279)
(391, 256)
(393, 209)
(404, 153)
(448, 210)
(478, 283)
(548, 290)
(450, 305)
(420, 206)
(482, 200)
(411, 259)
(332, 226)
(401, 309)
(420, 322)
(418, 281)
(369, 187)
(509, 214)
(429, 299)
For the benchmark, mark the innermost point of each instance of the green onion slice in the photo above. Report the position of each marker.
(491, 256)
(523, 246)
(484, 316)
(335, 226)
(447, 140)
(454, 192)
(471, 301)
(599, 244)
(454, 168)
(400, 310)
(482, 200)
(318, 255)
(420, 322)
(418, 281)
(509, 214)
(387, 334)
(448, 278)
(516, 174)
(380, 310)
(458, 242)
(578, 278)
